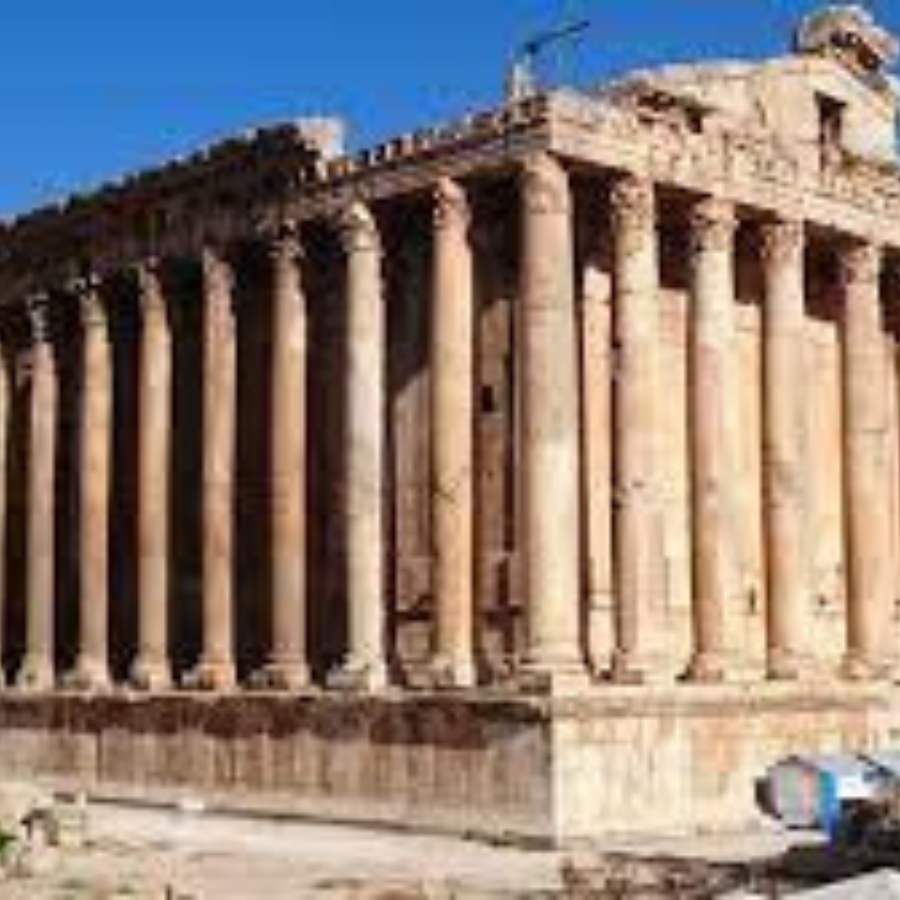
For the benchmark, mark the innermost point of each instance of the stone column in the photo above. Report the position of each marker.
(95, 436)
(37, 671)
(866, 466)
(551, 502)
(453, 443)
(783, 462)
(638, 553)
(216, 669)
(151, 669)
(5, 410)
(713, 470)
(287, 664)
(596, 368)
(364, 667)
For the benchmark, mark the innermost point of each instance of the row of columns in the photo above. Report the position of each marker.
(551, 461)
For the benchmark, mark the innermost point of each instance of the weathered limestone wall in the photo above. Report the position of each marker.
(670, 759)
(443, 763)
(622, 760)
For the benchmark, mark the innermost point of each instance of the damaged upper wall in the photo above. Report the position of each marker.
(832, 93)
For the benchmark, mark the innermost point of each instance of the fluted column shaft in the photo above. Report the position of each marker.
(713, 471)
(364, 488)
(152, 669)
(783, 460)
(866, 459)
(95, 434)
(638, 553)
(551, 507)
(287, 665)
(452, 437)
(216, 669)
(37, 672)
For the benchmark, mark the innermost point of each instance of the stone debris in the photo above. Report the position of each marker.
(35, 826)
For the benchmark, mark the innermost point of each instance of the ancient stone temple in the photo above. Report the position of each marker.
(533, 474)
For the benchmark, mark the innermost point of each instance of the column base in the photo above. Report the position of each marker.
(857, 668)
(551, 678)
(447, 673)
(705, 668)
(626, 668)
(150, 675)
(211, 676)
(88, 676)
(36, 674)
(358, 675)
(784, 666)
(282, 675)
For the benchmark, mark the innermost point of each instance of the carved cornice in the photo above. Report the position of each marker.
(358, 230)
(713, 224)
(545, 186)
(451, 206)
(750, 167)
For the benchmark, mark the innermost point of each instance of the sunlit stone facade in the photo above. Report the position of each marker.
(540, 470)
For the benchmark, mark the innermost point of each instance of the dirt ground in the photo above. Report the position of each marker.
(191, 855)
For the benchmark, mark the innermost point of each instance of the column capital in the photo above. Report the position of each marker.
(38, 309)
(545, 185)
(713, 224)
(149, 279)
(358, 229)
(451, 206)
(781, 240)
(633, 202)
(283, 243)
(218, 277)
(92, 310)
(860, 263)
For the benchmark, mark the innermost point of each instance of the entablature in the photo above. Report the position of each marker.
(241, 189)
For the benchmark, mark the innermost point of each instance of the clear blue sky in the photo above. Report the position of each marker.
(92, 88)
